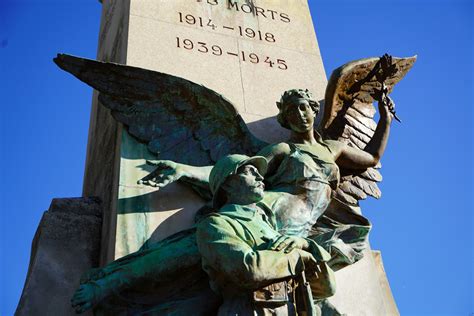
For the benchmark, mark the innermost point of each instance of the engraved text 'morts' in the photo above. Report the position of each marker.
(259, 11)
(253, 9)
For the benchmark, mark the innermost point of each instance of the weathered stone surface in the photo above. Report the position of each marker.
(66, 244)
(103, 148)
(389, 301)
(363, 290)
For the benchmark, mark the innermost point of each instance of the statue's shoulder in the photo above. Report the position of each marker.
(334, 145)
(332, 142)
(275, 149)
(211, 223)
(228, 208)
(220, 215)
(228, 221)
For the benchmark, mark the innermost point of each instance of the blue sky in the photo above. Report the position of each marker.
(423, 223)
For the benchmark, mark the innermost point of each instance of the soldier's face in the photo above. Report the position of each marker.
(247, 183)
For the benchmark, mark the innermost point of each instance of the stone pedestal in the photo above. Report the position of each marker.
(363, 290)
(66, 244)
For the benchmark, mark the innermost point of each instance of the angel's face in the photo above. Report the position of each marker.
(300, 116)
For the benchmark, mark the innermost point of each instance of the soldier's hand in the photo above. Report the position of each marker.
(288, 243)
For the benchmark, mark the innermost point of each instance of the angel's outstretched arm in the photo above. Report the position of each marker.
(168, 171)
(353, 158)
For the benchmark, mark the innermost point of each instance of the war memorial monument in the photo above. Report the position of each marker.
(223, 172)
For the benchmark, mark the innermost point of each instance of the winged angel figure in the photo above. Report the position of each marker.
(314, 182)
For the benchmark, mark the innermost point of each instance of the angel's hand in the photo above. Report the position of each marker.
(387, 108)
(166, 172)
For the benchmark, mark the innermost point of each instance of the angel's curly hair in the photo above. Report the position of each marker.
(287, 99)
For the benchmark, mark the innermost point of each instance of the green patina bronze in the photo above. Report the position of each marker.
(247, 260)
(313, 184)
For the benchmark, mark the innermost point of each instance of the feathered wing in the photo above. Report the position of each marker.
(179, 120)
(349, 117)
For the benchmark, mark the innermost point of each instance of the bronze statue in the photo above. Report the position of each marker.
(315, 179)
(255, 268)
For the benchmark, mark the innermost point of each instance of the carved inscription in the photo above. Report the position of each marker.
(244, 56)
(240, 31)
(246, 32)
(191, 20)
(251, 8)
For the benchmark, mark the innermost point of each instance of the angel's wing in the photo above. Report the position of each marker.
(349, 117)
(179, 120)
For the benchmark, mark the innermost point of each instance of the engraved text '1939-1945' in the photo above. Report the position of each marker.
(216, 49)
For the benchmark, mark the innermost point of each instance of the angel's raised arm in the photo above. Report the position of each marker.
(354, 158)
(349, 95)
(358, 142)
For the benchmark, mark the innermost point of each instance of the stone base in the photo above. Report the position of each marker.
(362, 289)
(66, 244)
